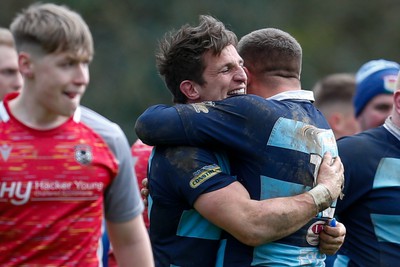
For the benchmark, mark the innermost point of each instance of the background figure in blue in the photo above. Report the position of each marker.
(375, 84)
(275, 146)
(370, 209)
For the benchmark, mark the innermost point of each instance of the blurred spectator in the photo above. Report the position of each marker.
(373, 99)
(333, 97)
(10, 77)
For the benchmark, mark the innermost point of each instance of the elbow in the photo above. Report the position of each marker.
(255, 238)
(142, 132)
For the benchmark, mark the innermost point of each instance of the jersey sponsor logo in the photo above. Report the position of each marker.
(83, 154)
(202, 107)
(17, 192)
(313, 233)
(204, 174)
(5, 151)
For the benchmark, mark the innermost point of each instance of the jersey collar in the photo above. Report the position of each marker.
(295, 95)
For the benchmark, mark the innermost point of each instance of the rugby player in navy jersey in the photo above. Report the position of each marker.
(370, 208)
(189, 183)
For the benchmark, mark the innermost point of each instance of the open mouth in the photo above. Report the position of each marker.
(70, 95)
(240, 91)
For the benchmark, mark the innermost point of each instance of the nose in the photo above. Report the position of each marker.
(17, 81)
(240, 75)
(82, 74)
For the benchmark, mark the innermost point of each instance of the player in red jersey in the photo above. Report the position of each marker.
(63, 165)
(141, 153)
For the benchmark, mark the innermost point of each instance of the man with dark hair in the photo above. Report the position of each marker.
(275, 148)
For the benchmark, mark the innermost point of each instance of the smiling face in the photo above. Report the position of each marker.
(57, 82)
(224, 75)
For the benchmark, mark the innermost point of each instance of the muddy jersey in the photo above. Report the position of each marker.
(53, 184)
(179, 235)
(275, 147)
(370, 208)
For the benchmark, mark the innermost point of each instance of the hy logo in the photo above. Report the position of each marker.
(5, 151)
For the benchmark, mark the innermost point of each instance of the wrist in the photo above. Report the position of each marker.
(321, 196)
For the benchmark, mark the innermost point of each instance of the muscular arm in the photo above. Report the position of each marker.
(131, 243)
(257, 222)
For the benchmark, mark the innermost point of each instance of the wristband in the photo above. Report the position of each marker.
(322, 197)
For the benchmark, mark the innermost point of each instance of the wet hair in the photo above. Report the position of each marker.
(180, 53)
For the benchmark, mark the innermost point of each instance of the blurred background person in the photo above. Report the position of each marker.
(370, 209)
(10, 77)
(141, 153)
(373, 99)
(333, 97)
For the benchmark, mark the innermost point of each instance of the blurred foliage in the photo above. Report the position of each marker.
(337, 36)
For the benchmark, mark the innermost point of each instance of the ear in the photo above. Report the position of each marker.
(25, 64)
(335, 120)
(249, 76)
(190, 90)
(396, 101)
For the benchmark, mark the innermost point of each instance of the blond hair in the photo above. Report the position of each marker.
(53, 28)
(6, 38)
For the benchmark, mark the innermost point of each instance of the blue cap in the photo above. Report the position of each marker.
(373, 78)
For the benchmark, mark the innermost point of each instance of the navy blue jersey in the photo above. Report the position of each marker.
(180, 236)
(370, 208)
(274, 147)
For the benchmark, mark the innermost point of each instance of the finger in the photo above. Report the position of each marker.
(145, 182)
(144, 192)
(327, 158)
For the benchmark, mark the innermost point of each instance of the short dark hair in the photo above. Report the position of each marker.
(180, 53)
(271, 50)
(338, 87)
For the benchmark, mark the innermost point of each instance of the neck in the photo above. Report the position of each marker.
(33, 115)
(270, 85)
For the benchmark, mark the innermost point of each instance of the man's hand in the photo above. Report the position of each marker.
(144, 191)
(330, 182)
(332, 238)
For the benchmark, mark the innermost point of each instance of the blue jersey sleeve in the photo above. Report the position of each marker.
(228, 122)
(161, 125)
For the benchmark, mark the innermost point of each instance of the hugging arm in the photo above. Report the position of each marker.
(257, 222)
(160, 125)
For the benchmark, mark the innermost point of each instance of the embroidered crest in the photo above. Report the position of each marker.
(83, 154)
(389, 82)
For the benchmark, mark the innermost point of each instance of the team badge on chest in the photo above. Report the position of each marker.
(83, 154)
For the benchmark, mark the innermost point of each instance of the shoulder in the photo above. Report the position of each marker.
(108, 130)
(370, 136)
